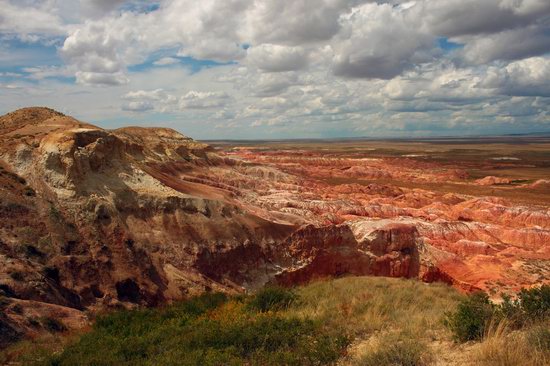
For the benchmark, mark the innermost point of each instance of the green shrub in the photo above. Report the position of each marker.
(535, 302)
(272, 299)
(469, 320)
(530, 306)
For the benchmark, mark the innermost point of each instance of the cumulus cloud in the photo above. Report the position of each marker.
(277, 58)
(157, 94)
(508, 45)
(203, 100)
(295, 22)
(138, 106)
(273, 84)
(146, 100)
(452, 18)
(529, 77)
(30, 21)
(165, 61)
(303, 65)
(380, 42)
(98, 78)
(95, 51)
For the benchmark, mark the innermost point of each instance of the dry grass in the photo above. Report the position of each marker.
(363, 305)
(394, 348)
(502, 346)
(391, 320)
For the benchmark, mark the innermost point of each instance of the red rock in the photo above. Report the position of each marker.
(146, 216)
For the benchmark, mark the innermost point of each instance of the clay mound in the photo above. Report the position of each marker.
(153, 135)
(492, 180)
(157, 141)
(539, 184)
(30, 125)
(32, 115)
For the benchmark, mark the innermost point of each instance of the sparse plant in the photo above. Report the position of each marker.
(396, 350)
(17, 276)
(539, 338)
(29, 192)
(501, 345)
(52, 325)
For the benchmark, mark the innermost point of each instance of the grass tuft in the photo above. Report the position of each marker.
(272, 299)
(396, 350)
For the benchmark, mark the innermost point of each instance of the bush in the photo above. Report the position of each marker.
(272, 299)
(471, 317)
(535, 302)
(530, 306)
(469, 321)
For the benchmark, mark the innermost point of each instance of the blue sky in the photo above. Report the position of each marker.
(271, 69)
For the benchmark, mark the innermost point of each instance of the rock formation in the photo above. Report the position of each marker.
(94, 218)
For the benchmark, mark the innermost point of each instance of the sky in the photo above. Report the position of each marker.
(272, 69)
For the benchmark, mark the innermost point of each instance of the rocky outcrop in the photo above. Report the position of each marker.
(491, 180)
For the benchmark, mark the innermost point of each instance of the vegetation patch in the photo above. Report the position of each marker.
(347, 321)
(473, 315)
(392, 350)
(208, 330)
(514, 332)
(272, 299)
(469, 320)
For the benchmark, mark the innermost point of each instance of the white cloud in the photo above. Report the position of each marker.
(508, 45)
(165, 61)
(529, 77)
(97, 8)
(203, 100)
(294, 22)
(98, 78)
(290, 67)
(30, 22)
(42, 72)
(380, 42)
(138, 106)
(277, 58)
(452, 18)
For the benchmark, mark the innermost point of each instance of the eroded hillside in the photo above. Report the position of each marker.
(94, 219)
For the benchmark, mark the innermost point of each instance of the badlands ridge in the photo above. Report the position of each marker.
(94, 219)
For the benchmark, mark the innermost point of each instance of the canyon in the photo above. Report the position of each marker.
(95, 219)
